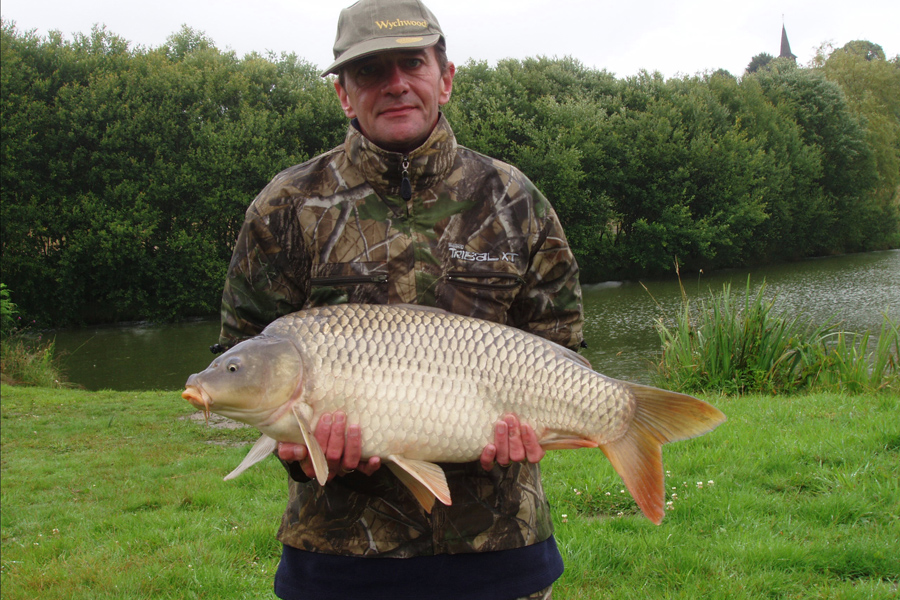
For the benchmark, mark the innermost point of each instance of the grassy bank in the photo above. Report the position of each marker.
(120, 495)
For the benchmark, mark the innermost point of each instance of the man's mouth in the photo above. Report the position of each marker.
(397, 111)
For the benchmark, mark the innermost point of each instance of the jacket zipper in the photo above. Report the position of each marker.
(405, 185)
(348, 279)
(464, 279)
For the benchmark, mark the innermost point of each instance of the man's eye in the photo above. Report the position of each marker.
(413, 62)
(366, 71)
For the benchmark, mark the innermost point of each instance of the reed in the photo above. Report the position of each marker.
(737, 344)
(23, 359)
(30, 362)
(844, 362)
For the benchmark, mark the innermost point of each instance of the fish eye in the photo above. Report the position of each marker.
(233, 365)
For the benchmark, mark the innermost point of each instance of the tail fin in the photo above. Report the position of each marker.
(660, 417)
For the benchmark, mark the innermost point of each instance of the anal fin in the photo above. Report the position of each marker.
(425, 480)
(316, 455)
(263, 447)
(558, 440)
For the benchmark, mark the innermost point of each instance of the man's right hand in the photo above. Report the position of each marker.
(342, 446)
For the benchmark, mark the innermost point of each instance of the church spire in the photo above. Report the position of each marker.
(785, 45)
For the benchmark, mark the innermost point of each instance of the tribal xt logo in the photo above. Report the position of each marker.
(459, 252)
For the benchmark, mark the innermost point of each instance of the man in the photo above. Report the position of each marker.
(400, 214)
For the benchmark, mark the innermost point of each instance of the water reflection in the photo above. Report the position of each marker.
(136, 357)
(855, 289)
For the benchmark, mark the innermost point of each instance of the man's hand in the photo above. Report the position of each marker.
(342, 451)
(513, 442)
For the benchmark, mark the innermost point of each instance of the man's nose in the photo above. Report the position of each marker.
(396, 81)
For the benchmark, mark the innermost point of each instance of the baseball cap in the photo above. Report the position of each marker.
(372, 26)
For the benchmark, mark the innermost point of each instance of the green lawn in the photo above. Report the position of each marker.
(119, 495)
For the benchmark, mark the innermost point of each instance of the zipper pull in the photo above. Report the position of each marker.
(405, 185)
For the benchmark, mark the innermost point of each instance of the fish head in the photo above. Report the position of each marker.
(249, 382)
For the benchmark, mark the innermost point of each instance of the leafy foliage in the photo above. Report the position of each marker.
(126, 172)
(8, 312)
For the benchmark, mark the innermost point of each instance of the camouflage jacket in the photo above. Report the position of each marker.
(474, 237)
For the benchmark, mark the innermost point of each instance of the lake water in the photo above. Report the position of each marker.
(854, 289)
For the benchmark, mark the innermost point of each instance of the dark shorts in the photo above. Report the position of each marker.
(478, 576)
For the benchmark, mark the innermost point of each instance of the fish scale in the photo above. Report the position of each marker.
(427, 386)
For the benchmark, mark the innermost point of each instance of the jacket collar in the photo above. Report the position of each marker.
(428, 164)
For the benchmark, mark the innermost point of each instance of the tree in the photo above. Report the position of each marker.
(864, 49)
(872, 89)
(829, 126)
(760, 61)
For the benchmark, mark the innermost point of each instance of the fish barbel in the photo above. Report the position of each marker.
(427, 386)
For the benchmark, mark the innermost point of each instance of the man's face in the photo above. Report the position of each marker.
(396, 96)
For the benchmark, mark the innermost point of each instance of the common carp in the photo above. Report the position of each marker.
(427, 386)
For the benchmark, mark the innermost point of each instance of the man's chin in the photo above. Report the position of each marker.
(401, 138)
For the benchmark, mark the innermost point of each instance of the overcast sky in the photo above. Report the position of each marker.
(673, 37)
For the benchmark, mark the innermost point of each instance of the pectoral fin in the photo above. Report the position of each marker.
(320, 465)
(425, 480)
(263, 447)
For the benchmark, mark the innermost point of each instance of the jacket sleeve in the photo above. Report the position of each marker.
(550, 302)
(268, 276)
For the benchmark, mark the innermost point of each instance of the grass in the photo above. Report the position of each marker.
(738, 345)
(118, 495)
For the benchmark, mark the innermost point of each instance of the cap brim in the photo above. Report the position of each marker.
(382, 44)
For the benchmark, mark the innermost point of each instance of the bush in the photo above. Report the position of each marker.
(7, 312)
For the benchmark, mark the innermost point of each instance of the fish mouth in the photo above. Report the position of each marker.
(198, 398)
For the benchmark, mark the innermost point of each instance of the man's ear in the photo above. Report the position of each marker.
(447, 84)
(345, 100)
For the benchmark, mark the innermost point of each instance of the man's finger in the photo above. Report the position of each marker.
(501, 441)
(323, 430)
(488, 456)
(516, 447)
(291, 452)
(352, 449)
(369, 467)
(335, 445)
(534, 452)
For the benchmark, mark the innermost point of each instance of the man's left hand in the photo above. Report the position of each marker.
(513, 442)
